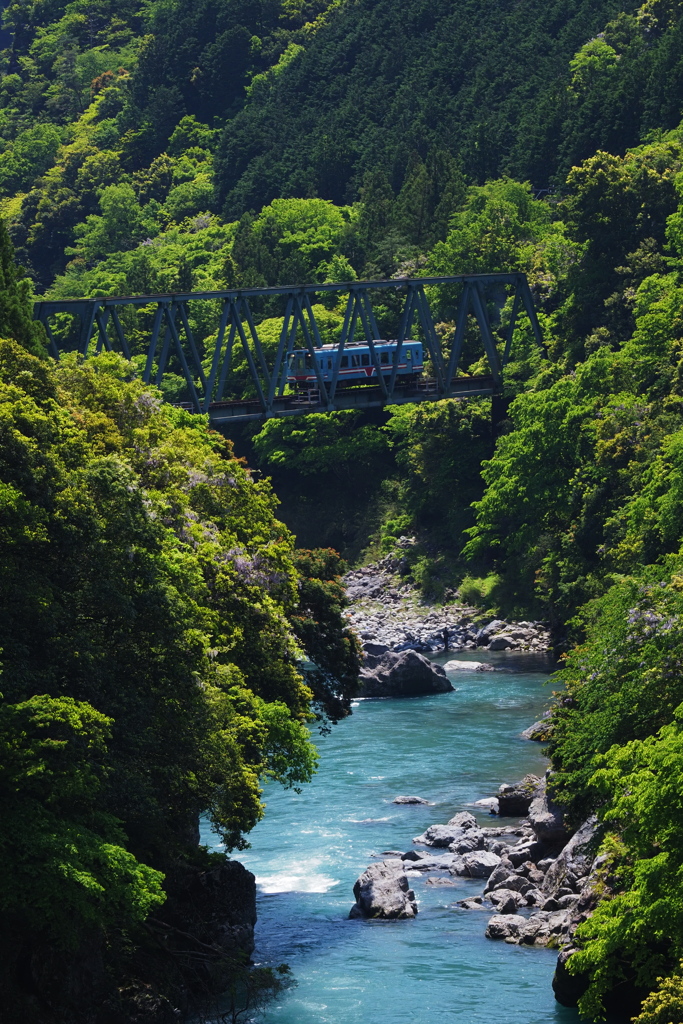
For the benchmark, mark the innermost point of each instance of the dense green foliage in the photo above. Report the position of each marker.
(640, 929)
(163, 644)
(152, 636)
(120, 123)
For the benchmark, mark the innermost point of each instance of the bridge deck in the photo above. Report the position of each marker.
(232, 355)
(365, 397)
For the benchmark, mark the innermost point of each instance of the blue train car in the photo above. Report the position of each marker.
(355, 364)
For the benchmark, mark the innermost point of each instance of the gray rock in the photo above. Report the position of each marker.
(473, 903)
(463, 819)
(468, 666)
(501, 642)
(409, 800)
(495, 846)
(446, 862)
(500, 875)
(541, 929)
(413, 855)
(376, 650)
(536, 898)
(484, 635)
(479, 864)
(514, 800)
(382, 891)
(505, 926)
(441, 835)
(546, 817)
(569, 901)
(529, 870)
(503, 880)
(507, 901)
(540, 731)
(488, 801)
(473, 839)
(230, 893)
(574, 860)
(404, 674)
(568, 988)
(439, 881)
(525, 850)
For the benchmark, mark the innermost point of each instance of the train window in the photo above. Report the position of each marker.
(366, 359)
(408, 354)
(384, 358)
(345, 362)
(355, 360)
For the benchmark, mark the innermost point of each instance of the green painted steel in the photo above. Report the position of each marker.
(171, 341)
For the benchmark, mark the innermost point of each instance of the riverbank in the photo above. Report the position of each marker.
(537, 880)
(451, 749)
(388, 612)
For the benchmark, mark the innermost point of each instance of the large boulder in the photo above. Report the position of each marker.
(499, 880)
(402, 674)
(568, 988)
(506, 927)
(500, 876)
(472, 839)
(478, 864)
(501, 642)
(463, 819)
(484, 635)
(468, 666)
(383, 891)
(525, 850)
(541, 929)
(575, 859)
(507, 901)
(443, 835)
(374, 649)
(545, 817)
(514, 800)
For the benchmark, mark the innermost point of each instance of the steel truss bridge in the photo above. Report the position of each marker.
(104, 323)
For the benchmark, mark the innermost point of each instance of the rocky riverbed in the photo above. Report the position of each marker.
(538, 882)
(388, 614)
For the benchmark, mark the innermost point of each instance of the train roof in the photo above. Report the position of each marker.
(357, 344)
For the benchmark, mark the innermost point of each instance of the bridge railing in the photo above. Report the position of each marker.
(170, 344)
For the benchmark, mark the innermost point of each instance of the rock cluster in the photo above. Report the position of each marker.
(387, 614)
(540, 883)
(383, 891)
(514, 800)
(402, 674)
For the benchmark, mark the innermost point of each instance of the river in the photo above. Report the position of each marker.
(306, 854)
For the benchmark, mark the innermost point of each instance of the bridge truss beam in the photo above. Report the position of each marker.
(171, 336)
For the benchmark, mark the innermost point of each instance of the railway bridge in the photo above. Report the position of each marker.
(236, 358)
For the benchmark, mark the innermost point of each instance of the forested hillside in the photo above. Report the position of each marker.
(153, 624)
(152, 602)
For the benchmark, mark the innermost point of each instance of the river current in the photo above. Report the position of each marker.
(306, 854)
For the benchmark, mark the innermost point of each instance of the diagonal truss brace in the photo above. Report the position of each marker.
(171, 335)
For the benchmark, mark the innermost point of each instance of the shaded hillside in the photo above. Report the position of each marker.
(484, 81)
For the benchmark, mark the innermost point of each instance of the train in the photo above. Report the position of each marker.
(356, 365)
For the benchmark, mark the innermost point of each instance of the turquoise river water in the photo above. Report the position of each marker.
(306, 854)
